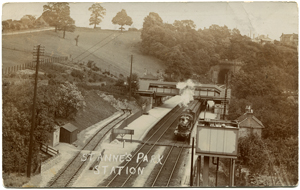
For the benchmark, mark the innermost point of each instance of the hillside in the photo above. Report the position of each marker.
(110, 50)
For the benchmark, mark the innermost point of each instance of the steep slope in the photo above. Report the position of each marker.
(110, 50)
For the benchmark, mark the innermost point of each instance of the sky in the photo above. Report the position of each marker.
(268, 18)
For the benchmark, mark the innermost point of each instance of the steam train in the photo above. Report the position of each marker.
(188, 118)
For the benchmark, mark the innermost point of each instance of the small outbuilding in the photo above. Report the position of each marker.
(68, 133)
(249, 123)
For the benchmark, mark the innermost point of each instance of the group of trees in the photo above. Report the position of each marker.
(26, 22)
(53, 101)
(268, 71)
(98, 13)
(58, 15)
(183, 49)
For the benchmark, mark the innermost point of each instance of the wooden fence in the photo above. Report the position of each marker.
(31, 65)
(48, 150)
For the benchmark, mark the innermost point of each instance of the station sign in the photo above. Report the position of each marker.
(123, 131)
(220, 141)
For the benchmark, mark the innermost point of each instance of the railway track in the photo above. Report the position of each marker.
(67, 175)
(125, 178)
(164, 177)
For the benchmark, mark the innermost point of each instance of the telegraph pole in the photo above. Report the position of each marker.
(37, 51)
(130, 78)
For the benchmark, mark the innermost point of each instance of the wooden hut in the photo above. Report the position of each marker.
(68, 133)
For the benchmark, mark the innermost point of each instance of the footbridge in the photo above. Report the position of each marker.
(158, 90)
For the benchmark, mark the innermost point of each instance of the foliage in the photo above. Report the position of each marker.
(97, 15)
(14, 180)
(5, 25)
(58, 15)
(285, 156)
(132, 29)
(77, 73)
(70, 100)
(52, 101)
(65, 22)
(252, 153)
(184, 50)
(18, 26)
(52, 12)
(122, 19)
(120, 82)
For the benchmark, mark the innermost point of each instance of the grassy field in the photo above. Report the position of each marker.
(110, 50)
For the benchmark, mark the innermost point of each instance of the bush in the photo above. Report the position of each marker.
(119, 82)
(90, 64)
(13, 180)
(95, 68)
(132, 29)
(78, 74)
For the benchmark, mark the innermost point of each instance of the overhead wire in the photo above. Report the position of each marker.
(94, 45)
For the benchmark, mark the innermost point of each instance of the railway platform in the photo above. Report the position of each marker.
(143, 124)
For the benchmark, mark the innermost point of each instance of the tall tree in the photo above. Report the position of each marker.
(53, 101)
(97, 15)
(122, 19)
(66, 23)
(58, 15)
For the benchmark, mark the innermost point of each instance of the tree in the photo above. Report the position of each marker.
(122, 19)
(53, 101)
(54, 12)
(70, 100)
(5, 25)
(97, 14)
(184, 24)
(251, 151)
(66, 24)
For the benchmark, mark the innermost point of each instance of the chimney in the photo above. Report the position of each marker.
(248, 109)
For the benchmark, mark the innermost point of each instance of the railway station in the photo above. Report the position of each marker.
(152, 148)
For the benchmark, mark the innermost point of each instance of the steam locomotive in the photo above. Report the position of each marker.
(188, 118)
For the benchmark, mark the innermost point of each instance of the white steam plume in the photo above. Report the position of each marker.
(186, 91)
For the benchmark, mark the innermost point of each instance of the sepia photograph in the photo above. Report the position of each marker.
(150, 94)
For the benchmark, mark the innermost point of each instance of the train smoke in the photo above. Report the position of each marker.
(186, 92)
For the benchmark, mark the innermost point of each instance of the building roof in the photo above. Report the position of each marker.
(145, 84)
(289, 35)
(69, 127)
(247, 119)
